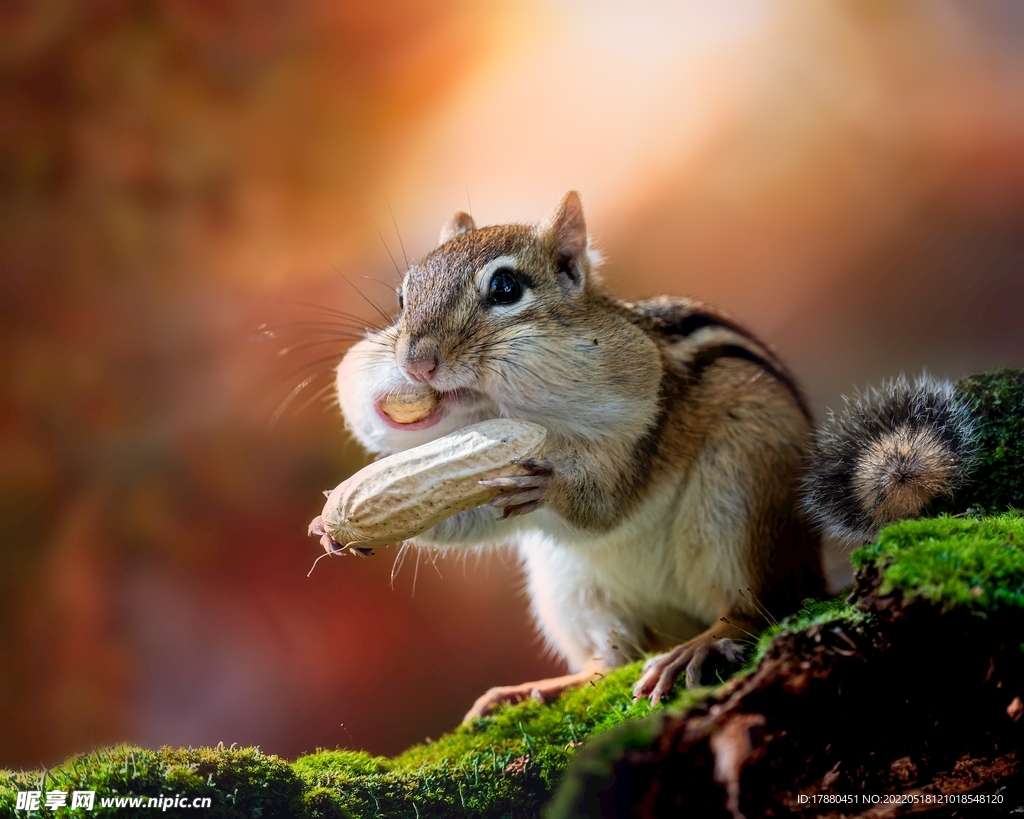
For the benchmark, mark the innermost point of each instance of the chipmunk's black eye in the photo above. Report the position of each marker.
(504, 288)
(401, 300)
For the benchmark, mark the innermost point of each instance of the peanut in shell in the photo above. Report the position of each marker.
(402, 495)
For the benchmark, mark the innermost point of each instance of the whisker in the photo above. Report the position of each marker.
(284, 404)
(296, 327)
(333, 402)
(295, 372)
(398, 233)
(389, 285)
(329, 385)
(309, 331)
(324, 308)
(522, 366)
(263, 333)
(433, 562)
(388, 249)
(364, 297)
(396, 567)
(337, 340)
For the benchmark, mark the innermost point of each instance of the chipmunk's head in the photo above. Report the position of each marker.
(496, 320)
(477, 300)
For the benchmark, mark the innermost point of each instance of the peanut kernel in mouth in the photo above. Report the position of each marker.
(409, 407)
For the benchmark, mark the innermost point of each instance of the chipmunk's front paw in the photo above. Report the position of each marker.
(661, 671)
(523, 493)
(332, 546)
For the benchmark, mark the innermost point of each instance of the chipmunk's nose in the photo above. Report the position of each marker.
(421, 360)
(422, 369)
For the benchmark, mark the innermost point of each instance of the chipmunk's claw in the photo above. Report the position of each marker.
(660, 672)
(332, 546)
(520, 509)
(536, 466)
(521, 494)
(541, 690)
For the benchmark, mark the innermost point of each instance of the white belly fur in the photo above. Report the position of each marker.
(673, 567)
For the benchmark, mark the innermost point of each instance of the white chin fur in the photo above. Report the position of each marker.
(369, 370)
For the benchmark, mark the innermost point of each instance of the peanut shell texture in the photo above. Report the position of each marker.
(402, 495)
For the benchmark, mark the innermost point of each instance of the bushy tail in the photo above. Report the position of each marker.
(887, 455)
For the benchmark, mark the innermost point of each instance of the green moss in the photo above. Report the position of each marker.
(973, 562)
(241, 782)
(998, 396)
(323, 803)
(319, 767)
(591, 776)
(997, 480)
(812, 613)
(590, 779)
(505, 765)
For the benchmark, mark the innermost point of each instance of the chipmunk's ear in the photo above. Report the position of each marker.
(567, 231)
(460, 223)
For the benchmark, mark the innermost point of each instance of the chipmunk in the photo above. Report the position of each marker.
(678, 499)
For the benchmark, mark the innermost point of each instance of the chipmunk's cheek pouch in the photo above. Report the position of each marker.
(383, 410)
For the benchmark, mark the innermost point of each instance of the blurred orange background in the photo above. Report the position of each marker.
(847, 179)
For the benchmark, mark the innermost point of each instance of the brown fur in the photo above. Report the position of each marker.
(638, 399)
(736, 418)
